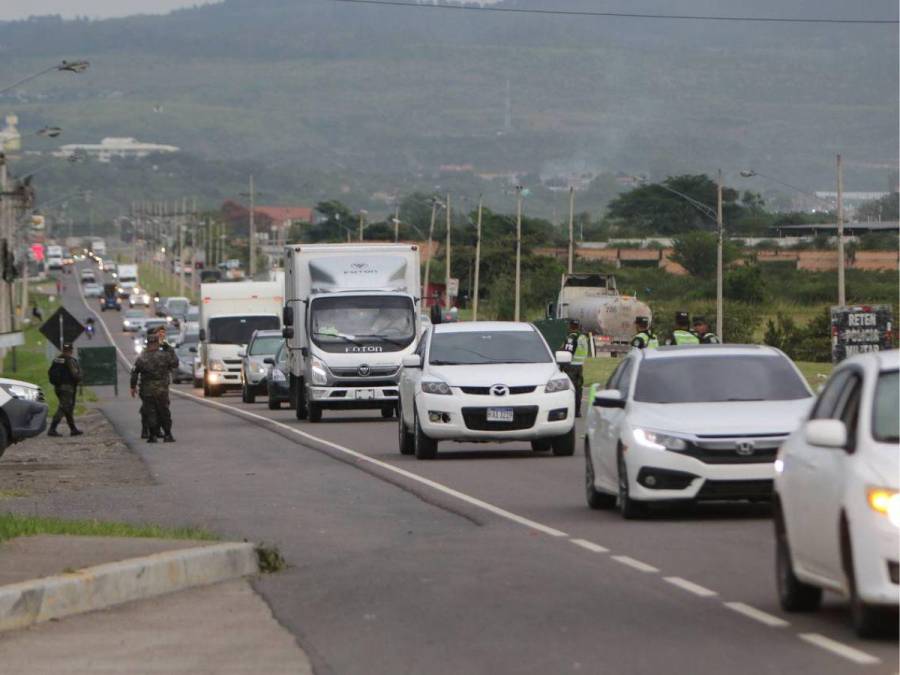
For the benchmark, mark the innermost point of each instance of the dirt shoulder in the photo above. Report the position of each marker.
(45, 465)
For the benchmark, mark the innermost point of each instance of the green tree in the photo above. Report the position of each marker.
(746, 284)
(697, 253)
(885, 208)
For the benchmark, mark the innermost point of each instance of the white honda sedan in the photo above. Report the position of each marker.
(837, 497)
(485, 381)
(691, 423)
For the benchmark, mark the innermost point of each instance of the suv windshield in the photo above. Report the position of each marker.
(237, 330)
(265, 345)
(885, 422)
(712, 379)
(362, 323)
(465, 348)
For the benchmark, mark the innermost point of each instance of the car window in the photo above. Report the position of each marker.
(623, 381)
(611, 382)
(847, 409)
(828, 399)
(885, 421)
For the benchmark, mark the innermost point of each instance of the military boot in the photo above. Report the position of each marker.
(169, 438)
(53, 432)
(76, 432)
(151, 439)
(144, 433)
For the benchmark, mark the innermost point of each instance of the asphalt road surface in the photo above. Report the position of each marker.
(486, 560)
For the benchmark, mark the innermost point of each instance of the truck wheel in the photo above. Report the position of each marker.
(315, 413)
(564, 446)
(300, 409)
(425, 448)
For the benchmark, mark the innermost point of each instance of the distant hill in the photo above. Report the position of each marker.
(398, 92)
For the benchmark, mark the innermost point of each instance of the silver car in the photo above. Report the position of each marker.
(263, 345)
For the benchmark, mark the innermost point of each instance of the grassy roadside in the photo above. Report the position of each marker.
(159, 281)
(12, 525)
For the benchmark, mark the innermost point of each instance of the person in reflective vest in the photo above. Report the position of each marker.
(644, 338)
(702, 331)
(577, 344)
(683, 335)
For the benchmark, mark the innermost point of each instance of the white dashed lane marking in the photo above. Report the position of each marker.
(635, 564)
(590, 546)
(757, 614)
(691, 587)
(840, 649)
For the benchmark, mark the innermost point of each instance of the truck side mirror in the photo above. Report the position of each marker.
(287, 316)
(287, 332)
(202, 335)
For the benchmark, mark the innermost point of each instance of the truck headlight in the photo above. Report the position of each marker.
(436, 387)
(216, 365)
(319, 372)
(659, 440)
(557, 384)
(886, 502)
(23, 392)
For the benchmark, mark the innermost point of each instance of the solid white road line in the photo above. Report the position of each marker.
(757, 615)
(840, 649)
(691, 587)
(589, 545)
(635, 564)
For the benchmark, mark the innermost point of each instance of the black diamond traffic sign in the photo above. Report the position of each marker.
(61, 328)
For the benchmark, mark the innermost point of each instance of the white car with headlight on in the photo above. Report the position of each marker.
(485, 381)
(23, 413)
(691, 423)
(837, 497)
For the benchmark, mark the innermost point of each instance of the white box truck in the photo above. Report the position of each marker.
(229, 313)
(128, 279)
(54, 257)
(351, 315)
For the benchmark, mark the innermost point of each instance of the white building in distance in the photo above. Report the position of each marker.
(105, 150)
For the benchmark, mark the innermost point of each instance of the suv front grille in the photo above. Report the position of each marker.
(523, 418)
(486, 391)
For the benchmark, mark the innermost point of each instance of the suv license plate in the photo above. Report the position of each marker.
(365, 394)
(500, 415)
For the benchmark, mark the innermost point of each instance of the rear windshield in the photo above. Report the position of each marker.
(237, 330)
(464, 348)
(265, 345)
(885, 420)
(711, 379)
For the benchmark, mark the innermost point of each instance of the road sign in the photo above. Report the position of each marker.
(860, 329)
(12, 339)
(61, 327)
(453, 288)
(99, 367)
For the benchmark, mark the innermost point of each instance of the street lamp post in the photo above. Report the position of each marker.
(434, 207)
(720, 272)
(518, 303)
(571, 229)
(448, 274)
(477, 259)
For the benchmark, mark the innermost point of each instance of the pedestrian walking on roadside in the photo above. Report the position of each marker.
(683, 335)
(644, 338)
(65, 376)
(702, 330)
(151, 374)
(576, 344)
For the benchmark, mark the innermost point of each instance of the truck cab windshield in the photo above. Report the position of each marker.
(373, 323)
(237, 330)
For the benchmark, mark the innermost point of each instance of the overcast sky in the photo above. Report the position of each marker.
(21, 9)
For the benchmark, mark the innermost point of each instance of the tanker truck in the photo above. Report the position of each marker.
(595, 301)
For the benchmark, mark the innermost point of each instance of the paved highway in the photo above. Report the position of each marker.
(484, 560)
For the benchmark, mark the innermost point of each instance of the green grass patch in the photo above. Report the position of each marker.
(12, 525)
(155, 280)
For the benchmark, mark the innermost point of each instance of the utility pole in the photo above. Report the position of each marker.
(571, 229)
(448, 275)
(477, 259)
(842, 288)
(4, 234)
(182, 223)
(362, 223)
(397, 223)
(434, 206)
(517, 312)
(719, 260)
(252, 265)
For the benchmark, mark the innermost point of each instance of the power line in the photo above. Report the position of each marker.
(622, 15)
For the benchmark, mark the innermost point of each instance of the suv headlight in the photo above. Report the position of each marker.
(659, 440)
(23, 392)
(557, 384)
(319, 372)
(886, 502)
(436, 387)
(277, 375)
(216, 365)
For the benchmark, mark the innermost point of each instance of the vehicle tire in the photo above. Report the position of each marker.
(198, 383)
(541, 445)
(628, 507)
(274, 403)
(315, 412)
(206, 393)
(407, 440)
(300, 409)
(595, 499)
(564, 446)
(4, 438)
(248, 395)
(387, 412)
(425, 448)
(793, 594)
(868, 621)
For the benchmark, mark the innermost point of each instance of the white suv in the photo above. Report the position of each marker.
(485, 381)
(837, 506)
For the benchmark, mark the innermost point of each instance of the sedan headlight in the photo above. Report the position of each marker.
(436, 387)
(319, 372)
(216, 365)
(23, 392)
(886, 502)
(557, 384)
(659, 440)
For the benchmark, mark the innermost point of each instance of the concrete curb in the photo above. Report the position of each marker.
(91, 588)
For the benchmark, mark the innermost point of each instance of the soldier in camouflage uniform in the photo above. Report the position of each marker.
(153, 368)
(65, 376)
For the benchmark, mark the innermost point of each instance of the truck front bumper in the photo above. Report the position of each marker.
(354, 397)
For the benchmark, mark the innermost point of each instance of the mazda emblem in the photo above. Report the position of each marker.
(500, 390)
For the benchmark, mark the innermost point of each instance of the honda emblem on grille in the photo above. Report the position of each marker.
(363, 371)
(500, 390)
(745, 448)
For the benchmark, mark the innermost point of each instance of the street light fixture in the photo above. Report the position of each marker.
(67, 66)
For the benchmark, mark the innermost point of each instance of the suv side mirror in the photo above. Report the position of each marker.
(287, 315)
(287, 332)
(412, 361)
(242, 354)
(563, 357)
(609, 398)
(826, 433)
(202, 335)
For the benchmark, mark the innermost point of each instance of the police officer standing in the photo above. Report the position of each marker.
(153, 368)
(683, 335)
(576, 344)
(65, 375)
(701, 329)
(644, 338)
